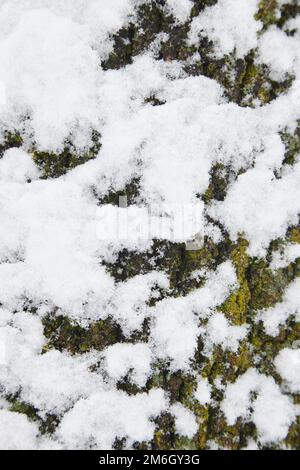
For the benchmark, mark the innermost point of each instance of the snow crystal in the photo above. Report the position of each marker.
(53, 227)
(58, 379)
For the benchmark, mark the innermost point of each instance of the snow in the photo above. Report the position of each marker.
(220, 332)
(58, 379)
(180, 8)
(128, 304)
(176, 325)
(17, 166)
(271, 411)
(53, 234)
(255, 213)
(225, 24)
(39, 83)
(185, 421)
(287, 364)
(275, 316)
(120, 359)
(289, 254)
(24, 438)
(203, 391)
(282, 57)
(97, 421)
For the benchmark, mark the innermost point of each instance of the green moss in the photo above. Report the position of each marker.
(290, 9)
(154, 101)
(252, 83)
(165, 256)
(292, 146)
(294, 235)
(24, 408)
(292, 440)
(267, 12)
(227, 364)
(218, 183)
(10, 140)
(47, 425)
(237, 304)
(200, 5)
(173, 259)
(245, 82)
(53, 165)
(266, 286)
(164, 435)
(136, 37)
(178, 385)
(62, 334)
(204, 257)
(131, 191)
(266, 347)
(126, 385)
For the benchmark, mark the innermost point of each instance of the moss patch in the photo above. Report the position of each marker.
(62, 334)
